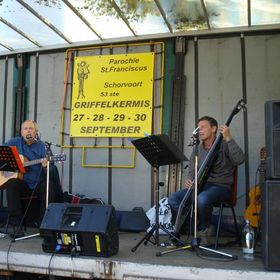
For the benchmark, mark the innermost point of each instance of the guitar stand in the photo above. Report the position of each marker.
(158, 150)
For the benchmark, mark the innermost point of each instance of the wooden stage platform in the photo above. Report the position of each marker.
(28, 256)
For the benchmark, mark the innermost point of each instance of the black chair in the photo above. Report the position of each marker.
(31, 204)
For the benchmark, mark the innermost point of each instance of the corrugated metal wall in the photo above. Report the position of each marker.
(222, 79)
(230, 69)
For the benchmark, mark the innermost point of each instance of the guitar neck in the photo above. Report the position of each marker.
(54, 158)
(32, 162)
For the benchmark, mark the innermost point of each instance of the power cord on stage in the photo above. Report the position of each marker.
(73, 254)
(213, 257)
(49, 265)
(21, 222)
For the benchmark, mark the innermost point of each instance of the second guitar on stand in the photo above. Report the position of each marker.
(253, 211)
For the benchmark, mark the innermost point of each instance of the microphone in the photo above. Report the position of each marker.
(196, 131)
(50, 143)
(29, 137)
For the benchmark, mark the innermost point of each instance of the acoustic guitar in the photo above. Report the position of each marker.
(7, 175)
(253, 210)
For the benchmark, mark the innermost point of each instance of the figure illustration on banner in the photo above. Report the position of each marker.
(83, 72)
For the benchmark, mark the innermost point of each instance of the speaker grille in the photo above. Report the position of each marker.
(275, 113)
(272, 139)
(276, 151)
(270, 225)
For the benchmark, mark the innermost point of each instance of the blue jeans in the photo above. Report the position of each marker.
(210, 195)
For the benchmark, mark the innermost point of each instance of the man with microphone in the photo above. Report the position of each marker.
(33, 182)
(217, 187)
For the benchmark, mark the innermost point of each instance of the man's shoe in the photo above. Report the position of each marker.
(172, 243)
(18, 233)
(206, 235)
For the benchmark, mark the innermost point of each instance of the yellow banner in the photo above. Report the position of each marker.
(112, 95)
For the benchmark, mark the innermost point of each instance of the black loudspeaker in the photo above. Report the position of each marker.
(84, 229)
(270, 224)
(133, 221)
(272, 139)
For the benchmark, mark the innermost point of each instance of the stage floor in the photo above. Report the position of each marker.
(27, 256)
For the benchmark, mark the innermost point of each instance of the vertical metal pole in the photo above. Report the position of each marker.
(19, 94)
(178, 111)
(48, 184)
(36, 87)
(4, 115)
(110, 158)
(195, 185)
(245, 117)
(196, 82)
(156, 184)
(71, 152)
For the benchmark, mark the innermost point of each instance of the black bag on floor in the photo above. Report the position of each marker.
(77, 198)
(133, 221)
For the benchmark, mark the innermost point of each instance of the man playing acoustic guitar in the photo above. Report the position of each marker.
(31, 183)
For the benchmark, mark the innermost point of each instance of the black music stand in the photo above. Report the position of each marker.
(10, 159)
(158, 150)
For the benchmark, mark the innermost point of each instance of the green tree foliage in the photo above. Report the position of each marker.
(184, 15)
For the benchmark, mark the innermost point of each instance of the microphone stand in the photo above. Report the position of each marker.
(196, 240)
(48, 153)
(195, 148)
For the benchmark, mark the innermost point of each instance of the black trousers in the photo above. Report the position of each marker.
(16, 189)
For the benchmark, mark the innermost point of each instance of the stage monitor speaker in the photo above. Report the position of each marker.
(272, 139)
(270, 224)
(84, 229)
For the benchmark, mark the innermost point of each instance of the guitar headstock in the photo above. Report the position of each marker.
(58, 158)
(240, 105)
(262, 154)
